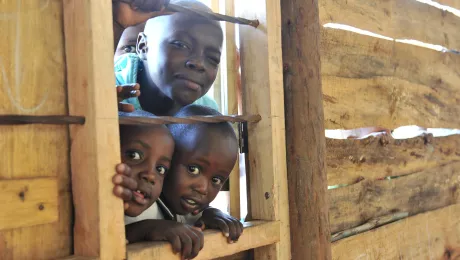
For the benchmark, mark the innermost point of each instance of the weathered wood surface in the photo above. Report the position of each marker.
(256, 234)
(261, 66)
(451, 3)
(426, 190)
(32, 79)
(349, 161)
(398, 19)
(369, 81)
(28, 202)
(305, 140)
(95, 146)
(432, 235)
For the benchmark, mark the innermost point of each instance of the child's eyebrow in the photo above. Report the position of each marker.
(164, 158)
(203, 161)
(146, 146)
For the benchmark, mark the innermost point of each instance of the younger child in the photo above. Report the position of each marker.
(204, 157)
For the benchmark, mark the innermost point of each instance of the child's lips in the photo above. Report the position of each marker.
(140, 197)
(190, 204)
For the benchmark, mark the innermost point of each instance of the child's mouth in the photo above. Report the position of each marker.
(189, 204)
(141, 197)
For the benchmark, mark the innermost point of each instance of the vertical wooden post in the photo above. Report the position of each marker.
(262, 87)
(99, 227)
(307, 180)
(217, 85)
(232, 103)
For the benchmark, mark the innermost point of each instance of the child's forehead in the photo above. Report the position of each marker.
(182, 22)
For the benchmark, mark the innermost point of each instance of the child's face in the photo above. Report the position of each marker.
(148, 151)
(128, 40)
(201, 165)
(183, 58)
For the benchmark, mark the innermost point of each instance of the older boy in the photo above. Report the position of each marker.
(177, 60)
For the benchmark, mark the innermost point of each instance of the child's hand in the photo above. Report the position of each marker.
(216, 219)
(184, 238)
(124, 184)
(132, 12)
(124, 92)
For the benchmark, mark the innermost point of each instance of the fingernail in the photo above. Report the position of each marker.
(118, 179)
(133, 92)
(227, 234)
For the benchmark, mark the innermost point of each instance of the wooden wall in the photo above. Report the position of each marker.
(34, 169)
(381, 81)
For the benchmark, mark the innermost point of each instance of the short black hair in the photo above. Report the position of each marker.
(178, 130)
(192, 4)
(128, 128)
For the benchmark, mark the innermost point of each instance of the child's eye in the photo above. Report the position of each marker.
(194, 170)
(217, 180)
(129, 48)
(179, 44)
(215, 61)
(161, 170)
(134, 155)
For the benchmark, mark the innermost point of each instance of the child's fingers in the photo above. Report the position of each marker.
(222, 226)
(122, 193)
(238, 228)
(128, 91)
(124, 181)
(125, 205)
(187, 245)
(124, 107)
(123, 169)
(197, 242)
(233, 233)
(175, 243)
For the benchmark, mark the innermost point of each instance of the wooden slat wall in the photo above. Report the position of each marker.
(426, 190)
(399, 19)
(32, 78)
(369, 81)
(432, 235)
(349, 161)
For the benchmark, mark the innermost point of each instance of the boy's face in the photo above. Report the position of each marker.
(148, 151)
(183, 56)
(201, 165)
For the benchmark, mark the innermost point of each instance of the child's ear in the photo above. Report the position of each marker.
(141, 46)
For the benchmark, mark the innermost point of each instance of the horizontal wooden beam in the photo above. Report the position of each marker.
(28, 202)
(256, 234)
(349, 161)
(369, 81)
(419, 192)
(432, 235)
(156, 120)
(50, 120)
(397, 19)
(74, 257)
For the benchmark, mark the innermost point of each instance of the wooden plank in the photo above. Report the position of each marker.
(262, 91)
(256, 234)
(32, 78)
(28, 202)
(396, 19)
(349, 161)
(369, 81)
(432, 235)
(99, 226)
(426, 190)
(74, 257)
(452, 3)
(245, 255)
(232, 75)
(305, 140)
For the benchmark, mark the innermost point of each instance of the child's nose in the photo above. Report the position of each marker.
(201, 187)
(148, 176)
(195, 64)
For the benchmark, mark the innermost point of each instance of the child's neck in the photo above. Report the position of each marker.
(153, 100)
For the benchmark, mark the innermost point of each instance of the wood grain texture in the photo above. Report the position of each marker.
(349, 161)
(398, 19)
(28, 202)
(426, 190)
(32, 79)
(305, 140)
(432, 235)
(95, 146)
(256, 234)
(369, 81)
(451, 3)
(231, 77)
(262, 91)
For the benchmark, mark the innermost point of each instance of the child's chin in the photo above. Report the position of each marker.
(134, 211)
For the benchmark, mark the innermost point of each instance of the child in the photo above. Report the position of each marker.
(177, 60)
(204, 157)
